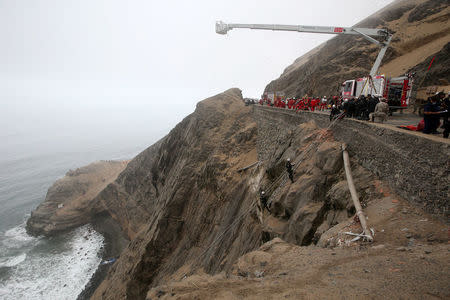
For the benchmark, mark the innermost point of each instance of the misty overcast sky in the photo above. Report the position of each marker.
(163, 55)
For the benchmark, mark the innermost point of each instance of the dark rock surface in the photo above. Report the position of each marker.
(439, 72)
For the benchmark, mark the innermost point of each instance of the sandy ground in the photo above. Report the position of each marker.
(414, 44)
(409, 259)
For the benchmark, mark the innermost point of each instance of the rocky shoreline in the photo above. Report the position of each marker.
(114, 242)
(71, 202)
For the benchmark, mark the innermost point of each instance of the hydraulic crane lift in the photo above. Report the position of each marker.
(375, 85)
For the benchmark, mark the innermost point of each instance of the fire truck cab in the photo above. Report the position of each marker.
(397, 90)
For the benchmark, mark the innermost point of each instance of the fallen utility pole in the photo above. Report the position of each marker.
(248, 167)
(354, 194)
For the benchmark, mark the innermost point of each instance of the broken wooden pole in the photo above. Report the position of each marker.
(354, 194)
(248, 167)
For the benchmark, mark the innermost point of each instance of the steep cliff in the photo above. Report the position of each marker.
(421, 29)
(186, 208)
(176, 197)
(189, 204)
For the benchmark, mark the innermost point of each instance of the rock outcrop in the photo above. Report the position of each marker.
(68, 201)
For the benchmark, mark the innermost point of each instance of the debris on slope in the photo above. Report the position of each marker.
(409, 259)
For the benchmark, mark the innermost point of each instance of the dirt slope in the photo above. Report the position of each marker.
(408, 260)
(421, 29)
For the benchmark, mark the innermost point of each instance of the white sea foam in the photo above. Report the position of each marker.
(12, 261)
(17, 237)
(56, 275)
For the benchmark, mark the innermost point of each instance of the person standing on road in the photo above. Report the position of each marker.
(381, 111)
(431, 115)
(446, 115)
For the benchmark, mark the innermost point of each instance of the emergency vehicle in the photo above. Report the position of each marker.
(397, 90)
(271, 97)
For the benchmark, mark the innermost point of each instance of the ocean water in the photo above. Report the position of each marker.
(37, 148)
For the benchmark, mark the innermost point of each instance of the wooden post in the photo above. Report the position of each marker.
(354, 194)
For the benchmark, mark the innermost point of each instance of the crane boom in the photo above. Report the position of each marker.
(367, 33)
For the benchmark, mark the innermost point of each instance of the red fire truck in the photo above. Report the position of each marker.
(397, 90)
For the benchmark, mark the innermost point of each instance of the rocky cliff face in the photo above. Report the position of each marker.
(421, 29)
(176, 197)
(186, 208)
(190, 203)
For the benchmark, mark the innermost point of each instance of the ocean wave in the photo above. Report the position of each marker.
(12, 261)
(56, 275)
(17, 237)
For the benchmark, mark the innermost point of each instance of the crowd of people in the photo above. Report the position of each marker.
(305, 103)
(360, 108)
(370, 108)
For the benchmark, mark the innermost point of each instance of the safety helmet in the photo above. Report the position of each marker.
(263, 192)
(288, 159)
(334, 106)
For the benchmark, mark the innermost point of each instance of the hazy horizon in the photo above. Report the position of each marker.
(88, 68)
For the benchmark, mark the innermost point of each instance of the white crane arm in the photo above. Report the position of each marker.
(367, 33)
(223, 28)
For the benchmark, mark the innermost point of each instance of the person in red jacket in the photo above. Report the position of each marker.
(313, 104)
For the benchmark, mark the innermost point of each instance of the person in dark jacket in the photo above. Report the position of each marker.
(289, 169)
(431, 115)
(263, 199)
(373, 101)
(351, 107)
(334, 112)
(446, 115)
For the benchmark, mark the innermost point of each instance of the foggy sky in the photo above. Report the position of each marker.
(158, 56)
